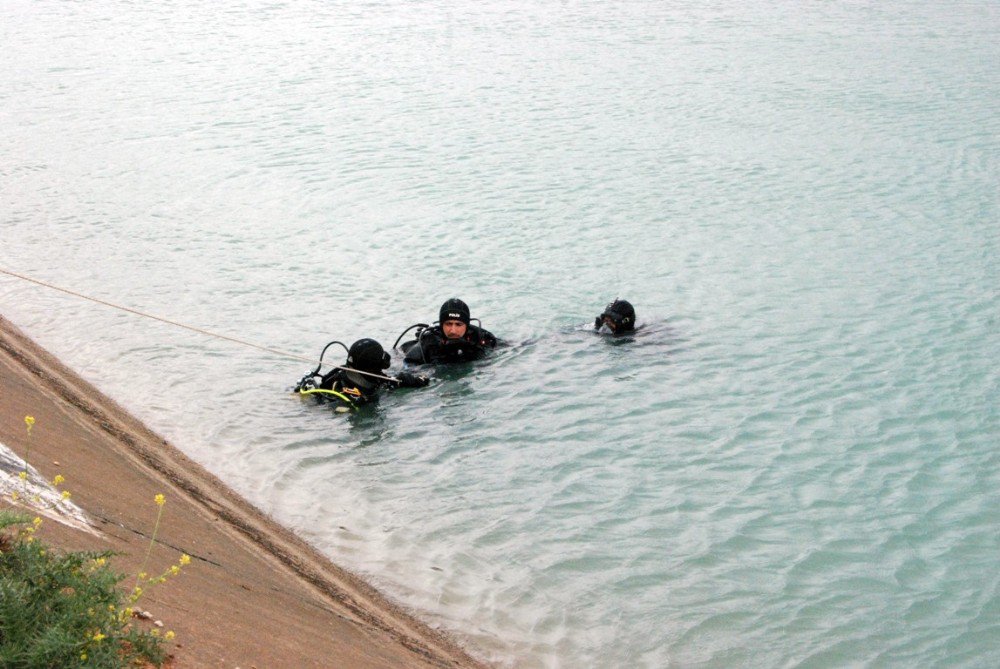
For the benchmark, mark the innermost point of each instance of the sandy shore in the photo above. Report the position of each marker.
(254, 595)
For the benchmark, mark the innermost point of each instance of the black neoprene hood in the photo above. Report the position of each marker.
(454, 310)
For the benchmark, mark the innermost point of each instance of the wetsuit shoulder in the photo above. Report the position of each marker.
(482, 337)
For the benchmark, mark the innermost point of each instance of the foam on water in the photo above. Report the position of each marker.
(793, 463)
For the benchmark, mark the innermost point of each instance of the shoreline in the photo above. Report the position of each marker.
(255, 594)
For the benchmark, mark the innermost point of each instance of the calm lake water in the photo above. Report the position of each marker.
(794, 463)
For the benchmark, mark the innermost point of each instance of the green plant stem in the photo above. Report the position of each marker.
(149, 549)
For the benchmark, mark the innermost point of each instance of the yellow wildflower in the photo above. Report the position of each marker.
(65, 494)
(174, 570)
(160, 500)
(185, 559)
(36, 521)
(99, 637)
(29, 421)
(22, 475)
(169, 635)
(58, 480)
(83, 656)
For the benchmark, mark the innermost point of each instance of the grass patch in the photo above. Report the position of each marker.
(64, 609)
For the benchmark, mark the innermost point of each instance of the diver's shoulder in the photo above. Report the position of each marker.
(482, 336)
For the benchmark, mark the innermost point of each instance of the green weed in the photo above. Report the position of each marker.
(62, 609)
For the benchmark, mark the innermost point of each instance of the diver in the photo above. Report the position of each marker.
(617, 318)
(360, 380)
(453, 339)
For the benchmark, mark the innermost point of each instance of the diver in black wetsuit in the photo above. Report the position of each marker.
(617, 318)
(453, 339)
(360, 380)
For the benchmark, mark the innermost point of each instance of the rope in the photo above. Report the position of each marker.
(273, 351)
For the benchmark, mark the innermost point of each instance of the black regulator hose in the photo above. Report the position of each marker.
(323, 352)
(422, 326)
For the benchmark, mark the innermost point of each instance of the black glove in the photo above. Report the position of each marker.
(410, 380)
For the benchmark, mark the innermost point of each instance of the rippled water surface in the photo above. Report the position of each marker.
(793, 463)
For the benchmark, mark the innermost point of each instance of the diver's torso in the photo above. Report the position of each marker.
(356, 387)
(434, 348)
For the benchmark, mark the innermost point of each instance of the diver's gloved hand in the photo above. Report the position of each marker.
(410, 380)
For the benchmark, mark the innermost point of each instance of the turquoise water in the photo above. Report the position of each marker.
(793, 464)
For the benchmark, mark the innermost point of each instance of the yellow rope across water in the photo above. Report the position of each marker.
(216, 335)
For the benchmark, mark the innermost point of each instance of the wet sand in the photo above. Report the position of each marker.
(254, 594)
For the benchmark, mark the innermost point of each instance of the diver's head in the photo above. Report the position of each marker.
(367, 355)
(454, 318)
(619, 316)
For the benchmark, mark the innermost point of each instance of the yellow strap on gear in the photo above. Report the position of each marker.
(323, 391)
